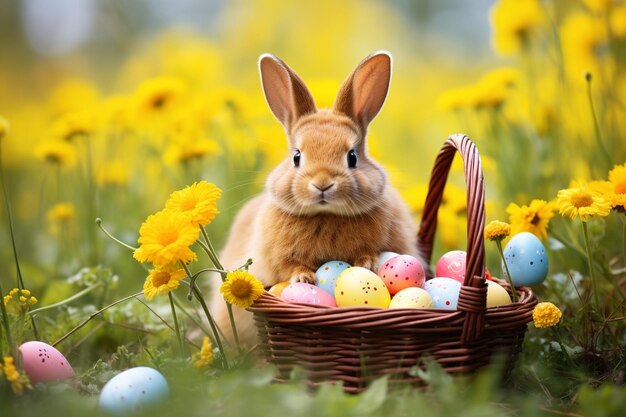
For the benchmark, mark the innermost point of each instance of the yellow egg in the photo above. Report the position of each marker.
(358, 286)
(277, 289)
(497, 295)
(412, 297)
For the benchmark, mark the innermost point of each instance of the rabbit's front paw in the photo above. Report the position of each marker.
(367, 261)
(302, 274)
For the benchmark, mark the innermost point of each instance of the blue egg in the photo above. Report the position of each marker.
(527, 260)
(132, 390)
(327, 274)
(444, 292)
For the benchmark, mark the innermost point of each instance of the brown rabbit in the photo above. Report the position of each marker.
(328, 200)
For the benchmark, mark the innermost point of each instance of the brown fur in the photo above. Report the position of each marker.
(289, 231)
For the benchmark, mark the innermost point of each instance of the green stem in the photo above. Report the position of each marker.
(93, 315)
(176, 327)
(562, 345)
(20, 280)
(113, 238)
(624, 219)
(5, 323)
(91, 202)
(594, 284)
(596, 125)
(211, 251)
(67, 300)
(508, 274)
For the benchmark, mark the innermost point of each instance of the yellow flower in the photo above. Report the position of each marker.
(617, 180)
(241, 288)
(600, 6)
(159, 94)
(6, 299)
(581, 201)
(165, 238)
(113, 173)
(198, 200)
(533, 218)
(61, 212)
(73, 125)
(32, 301)
(26, 293)
(4, 127)
(514, 22)
(14, 291)
(162, 281)
(188, 146)
(56, 152)
(546, 315)
(584, 39)
(497, 230)
(205, 356)
(19, 382)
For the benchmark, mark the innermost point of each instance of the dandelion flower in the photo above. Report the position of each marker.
(158, 94)
(533, 218)
(198, 200)
(241, 288)
(581, 201)
(497, 230)
(56, 152)
(74, 125)
(61, 212)
(513, 22)
(205, 356)
(4, 127)
(546, 315)
(18, 381)
(165, 238)
(617, 180)
(162, 281)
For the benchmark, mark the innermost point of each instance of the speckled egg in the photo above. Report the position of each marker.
(401, 272)
(411, 297)
(134, 389)
(327, 274)
(497, 295)
(384, 257)
(43, 363)
(452, 265)
(444, 292)
(526, 258)
(303, 293)
(358, 286)
(277, 289)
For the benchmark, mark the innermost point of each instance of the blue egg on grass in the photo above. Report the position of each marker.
(527, 260)
(327, 274)
(132, 390)
(444, 292)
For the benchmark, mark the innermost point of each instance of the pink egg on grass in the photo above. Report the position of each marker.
(301, 292)
(400, 272)
(452, 265)
(43, 363)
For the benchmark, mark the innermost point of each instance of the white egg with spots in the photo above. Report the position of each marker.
(411, 297)
(134, 389)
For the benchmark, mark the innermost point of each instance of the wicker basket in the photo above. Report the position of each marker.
(357, 344)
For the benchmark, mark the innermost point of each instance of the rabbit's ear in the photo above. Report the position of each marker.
(363, 93)
(285, 92)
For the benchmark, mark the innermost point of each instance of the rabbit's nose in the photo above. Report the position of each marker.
(324, 187)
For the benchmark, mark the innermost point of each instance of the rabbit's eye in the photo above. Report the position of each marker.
(352, 159)
(296, 159)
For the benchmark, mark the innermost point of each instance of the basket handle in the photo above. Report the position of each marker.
(473, 295)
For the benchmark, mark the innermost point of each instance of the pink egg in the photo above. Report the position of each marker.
(401, 272)
(452, 265)
(301, 292)
(43, 363)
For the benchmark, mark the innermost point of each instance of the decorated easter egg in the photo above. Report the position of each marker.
(384, 257)
(411, 297)
(277, 289)
(444, 292)
(401, 272)
(134, 389)
(452, 265)
(43, 363)
(327, 274)
(358, 286)
(301, 292)
(497, 295)
(526, 258)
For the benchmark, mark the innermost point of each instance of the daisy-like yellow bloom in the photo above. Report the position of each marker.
(583, 39)
(61, 212)
(241, 288)
(204, 358)
(74, 125)
(546, 315)
(56, 152)
(533, 218)
(4, 127)
(198, 200)
(514, 22)
(617, 180)
(497, 230)
(158, 94)
(581, 201)
(165, 238)
(162, 281)
(18, 381)
(188, 150)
